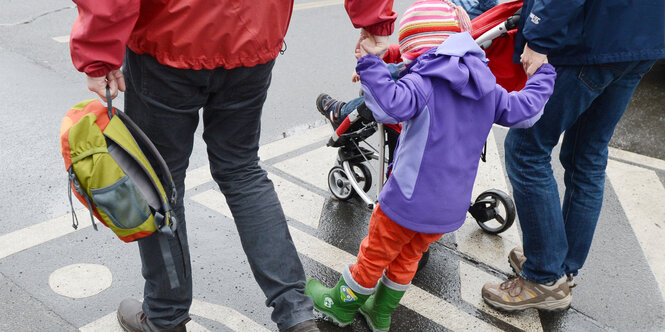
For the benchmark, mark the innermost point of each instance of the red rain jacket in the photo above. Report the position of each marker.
(195, 34)
(376, 16)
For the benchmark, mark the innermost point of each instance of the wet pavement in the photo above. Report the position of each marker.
(642, 127)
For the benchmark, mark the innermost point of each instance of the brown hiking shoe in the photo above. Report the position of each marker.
(516, 260)
(517, 294)
(132, 319)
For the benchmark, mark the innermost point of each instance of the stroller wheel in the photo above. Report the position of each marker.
(363, 176)
(423, 260)
(338, 184)
(494, 211)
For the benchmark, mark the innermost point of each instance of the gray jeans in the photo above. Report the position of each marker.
(165, 103)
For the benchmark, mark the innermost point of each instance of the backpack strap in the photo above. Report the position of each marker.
(164, 232)
(163, 237)
(108, 102)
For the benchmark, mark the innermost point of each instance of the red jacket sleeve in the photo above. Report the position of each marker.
(100, 34)
(392, 55)
(376, 16)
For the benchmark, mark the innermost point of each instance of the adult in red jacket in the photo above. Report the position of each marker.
(182, 56)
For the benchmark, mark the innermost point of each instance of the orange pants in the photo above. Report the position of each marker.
(392, 248)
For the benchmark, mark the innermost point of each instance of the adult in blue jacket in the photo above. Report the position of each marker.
(601, 49)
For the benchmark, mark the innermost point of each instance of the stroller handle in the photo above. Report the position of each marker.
(485, 40)
(514, 20)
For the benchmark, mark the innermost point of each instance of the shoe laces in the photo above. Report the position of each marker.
(570, 281)
(513, 286)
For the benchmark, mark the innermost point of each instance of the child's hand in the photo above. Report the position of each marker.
(355, 77)
(360, 49)
(369, 46)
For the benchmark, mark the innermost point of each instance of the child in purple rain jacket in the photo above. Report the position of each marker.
(447, 101)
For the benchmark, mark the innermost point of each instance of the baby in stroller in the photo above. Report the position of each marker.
(446, 100)
(358, 124)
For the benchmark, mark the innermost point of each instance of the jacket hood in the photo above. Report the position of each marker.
(461, 62)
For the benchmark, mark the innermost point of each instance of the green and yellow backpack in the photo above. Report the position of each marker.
(109, 173)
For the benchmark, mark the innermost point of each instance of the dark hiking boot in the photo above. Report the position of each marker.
(132, 319)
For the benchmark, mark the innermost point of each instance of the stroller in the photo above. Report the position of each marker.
(494, 31)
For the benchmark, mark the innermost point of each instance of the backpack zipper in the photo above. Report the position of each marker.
(73, 181)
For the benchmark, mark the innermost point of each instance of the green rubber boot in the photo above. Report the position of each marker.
(380, 306)
(340, 303)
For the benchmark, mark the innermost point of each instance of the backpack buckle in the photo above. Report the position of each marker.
(160, 224)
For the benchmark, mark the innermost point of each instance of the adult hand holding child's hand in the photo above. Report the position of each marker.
(371, 44)
(532, 60)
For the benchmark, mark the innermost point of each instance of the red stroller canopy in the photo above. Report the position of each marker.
(509, 75)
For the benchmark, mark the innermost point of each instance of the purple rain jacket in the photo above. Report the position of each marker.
(447, 101)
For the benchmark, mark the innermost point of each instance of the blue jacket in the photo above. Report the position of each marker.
(447, 101)
(576, 32)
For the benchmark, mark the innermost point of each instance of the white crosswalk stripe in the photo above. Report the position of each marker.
(299, 204)
(317, 4)
(640, 193)
(293, 143)
(39, 233)
(62, 39)
(637, 158)
(311, 167)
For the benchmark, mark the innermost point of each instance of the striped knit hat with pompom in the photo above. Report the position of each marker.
(426, 24)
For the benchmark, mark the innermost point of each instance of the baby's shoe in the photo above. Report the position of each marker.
(330, 108)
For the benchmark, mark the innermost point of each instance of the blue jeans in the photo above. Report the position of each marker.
(587, 103)
(350, 106)
(165, 103)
